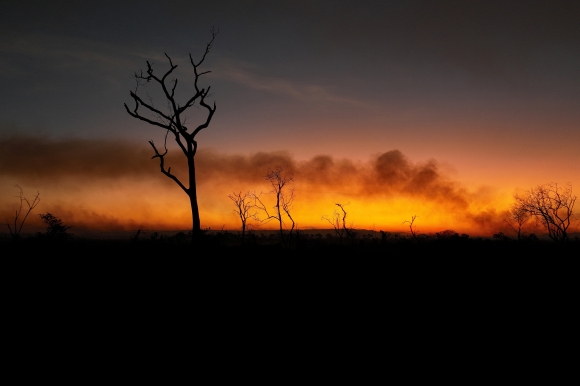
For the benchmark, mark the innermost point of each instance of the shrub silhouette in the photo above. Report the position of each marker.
(55, 229)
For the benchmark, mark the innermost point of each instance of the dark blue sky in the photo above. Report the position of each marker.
(490, 87)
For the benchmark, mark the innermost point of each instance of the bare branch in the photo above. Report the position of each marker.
(162, 167)
(214, 33)
(170, 62)
(15, 233)
(259, 204)
(203, 93)
(411, 225)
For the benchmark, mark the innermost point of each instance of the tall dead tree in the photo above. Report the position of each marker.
(173, 121)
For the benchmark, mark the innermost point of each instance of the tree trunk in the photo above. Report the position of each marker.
(196, 225)
(243, 231)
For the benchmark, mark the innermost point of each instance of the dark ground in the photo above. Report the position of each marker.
(456, 281)
(227, 245)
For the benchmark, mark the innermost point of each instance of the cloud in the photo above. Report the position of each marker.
(387, 175)
(395, 173)
(34, 158)
(116, 183)
(65, 51)
(246, 75)
(88, 161)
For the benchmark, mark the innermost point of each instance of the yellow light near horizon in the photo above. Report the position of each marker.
(157, 204)
(369, 214)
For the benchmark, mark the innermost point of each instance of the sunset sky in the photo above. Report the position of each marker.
(439, 109)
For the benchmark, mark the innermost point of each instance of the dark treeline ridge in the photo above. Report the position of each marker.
(229, 244)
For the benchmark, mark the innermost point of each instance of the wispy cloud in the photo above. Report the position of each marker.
(40, 54)
(248, 75)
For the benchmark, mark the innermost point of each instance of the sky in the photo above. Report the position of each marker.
(437, 109)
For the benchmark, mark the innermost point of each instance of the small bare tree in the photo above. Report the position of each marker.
(244, 206)
(15, 233)
(173, 121)
(338, 222)
(517, 217)
(552, 206)
(411, 226)
(284, 199)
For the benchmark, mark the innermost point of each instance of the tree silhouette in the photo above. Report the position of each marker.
(552, 205)
(55, 229)
(517, 217)
(284, 197)
(338, 222)
(411, 226)
(15, 233)
(173, 121)
(243, 208)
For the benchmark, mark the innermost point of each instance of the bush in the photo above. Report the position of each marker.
(55, 229)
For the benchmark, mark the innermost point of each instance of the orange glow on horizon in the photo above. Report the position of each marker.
(152, 205)
(101, 192)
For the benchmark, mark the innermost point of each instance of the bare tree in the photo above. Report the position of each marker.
(552, 206)
(15, 233)
(173, 121)
(349, 230)
(411, 226)
(284, 198)
(517, 217)
(244, 206)
(338, 222)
